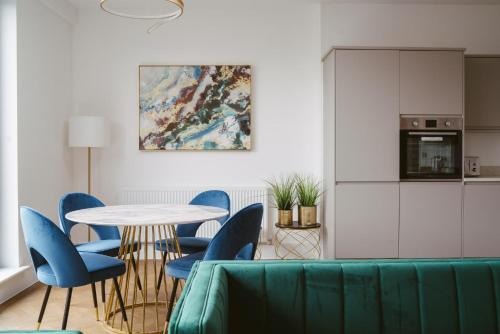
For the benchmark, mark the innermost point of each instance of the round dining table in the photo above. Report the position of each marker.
(143, 229)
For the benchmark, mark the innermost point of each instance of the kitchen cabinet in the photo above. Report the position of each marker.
(482, 220)
(482, 100)
(430, 220)
(431, 82)
(367, 115)
(366, 219)
(365, 92)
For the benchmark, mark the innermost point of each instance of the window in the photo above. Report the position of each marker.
(9, 226)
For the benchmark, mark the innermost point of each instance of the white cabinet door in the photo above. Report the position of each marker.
(367, 115)
(430, 220)
(482, 220)
(482, 87)
(366, 220)
(431, 82)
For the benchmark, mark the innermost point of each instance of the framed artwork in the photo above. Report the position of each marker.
(200, 107)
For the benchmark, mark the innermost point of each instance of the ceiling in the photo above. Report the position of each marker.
(94, 3)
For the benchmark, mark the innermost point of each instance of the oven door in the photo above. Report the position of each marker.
(429, 155)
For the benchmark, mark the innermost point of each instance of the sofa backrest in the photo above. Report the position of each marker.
(365, 297)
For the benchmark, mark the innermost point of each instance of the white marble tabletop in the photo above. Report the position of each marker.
(146, 215)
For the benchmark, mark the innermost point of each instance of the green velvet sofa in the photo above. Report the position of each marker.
(349, 297)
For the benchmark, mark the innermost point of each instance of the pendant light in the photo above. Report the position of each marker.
(162, 16)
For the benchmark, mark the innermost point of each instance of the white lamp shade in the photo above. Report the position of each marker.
(88, 131)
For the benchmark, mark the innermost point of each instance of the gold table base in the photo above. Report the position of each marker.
(295, 242)
(138, 286)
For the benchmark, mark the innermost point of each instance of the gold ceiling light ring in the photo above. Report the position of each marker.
(162, 18)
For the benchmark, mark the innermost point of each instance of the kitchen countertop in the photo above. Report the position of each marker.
(485, 178)
(488, 174)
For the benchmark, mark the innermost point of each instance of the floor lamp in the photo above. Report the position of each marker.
(88, 132)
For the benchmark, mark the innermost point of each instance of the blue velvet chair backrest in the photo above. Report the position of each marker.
(47, 244)
(217, 198)
(239, 233)
(78, 201)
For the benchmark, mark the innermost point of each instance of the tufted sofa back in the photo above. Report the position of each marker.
(341, 297)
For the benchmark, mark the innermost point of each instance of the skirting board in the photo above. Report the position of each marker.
(17, 283)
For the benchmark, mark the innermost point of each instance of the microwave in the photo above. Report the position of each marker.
(431, 148)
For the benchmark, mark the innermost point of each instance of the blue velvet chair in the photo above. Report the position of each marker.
(189, 243)
(237, 239)
(109, 236)
(58, 263)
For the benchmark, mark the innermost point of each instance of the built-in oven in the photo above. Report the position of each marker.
(431, 148)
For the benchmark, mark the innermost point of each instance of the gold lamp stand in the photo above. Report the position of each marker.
(88, 132)
(89, 181)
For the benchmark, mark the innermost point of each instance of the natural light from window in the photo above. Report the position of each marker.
(9, 227)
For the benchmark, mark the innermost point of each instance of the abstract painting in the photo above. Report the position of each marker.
(205, 107)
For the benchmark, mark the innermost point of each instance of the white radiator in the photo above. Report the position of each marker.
(240, 198)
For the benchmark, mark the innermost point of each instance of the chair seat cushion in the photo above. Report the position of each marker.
(188, 245)
(100, 268)
(103, 247)
(180, 268)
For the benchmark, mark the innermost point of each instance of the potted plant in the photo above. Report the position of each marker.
(284, 198)
(308, 194)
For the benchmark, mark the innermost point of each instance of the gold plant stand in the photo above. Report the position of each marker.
(297, 242)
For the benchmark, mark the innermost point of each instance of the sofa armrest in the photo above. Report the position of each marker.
(203, 305)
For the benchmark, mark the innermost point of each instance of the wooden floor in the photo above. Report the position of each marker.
(21, 312)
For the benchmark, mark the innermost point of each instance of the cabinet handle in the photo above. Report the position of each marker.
(432, 133)
(431, 139)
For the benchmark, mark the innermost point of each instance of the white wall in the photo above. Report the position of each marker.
(485, 145)
(282, 43)
(476, 28)
(44, 105)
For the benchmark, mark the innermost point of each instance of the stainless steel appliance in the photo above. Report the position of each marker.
(431, 148)
(472, 166)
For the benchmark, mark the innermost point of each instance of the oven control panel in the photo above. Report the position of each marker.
(431, 123)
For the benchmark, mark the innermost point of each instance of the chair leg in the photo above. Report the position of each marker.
(66, 308)
(103, 298)
(138, 279)
(160, 276)
(94, 298)
(44, 305)
(103, 292)
(120, 301)
(172, 299)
